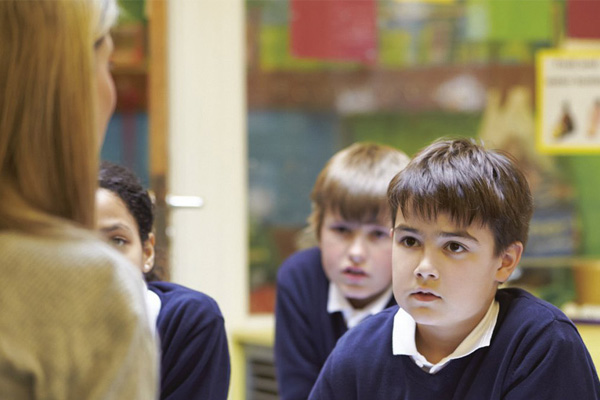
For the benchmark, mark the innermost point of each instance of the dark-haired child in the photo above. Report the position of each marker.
(195, 358)
(323, 291)
(460, 222)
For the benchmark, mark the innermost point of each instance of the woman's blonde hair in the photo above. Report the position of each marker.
(354, 183)
(48, 141)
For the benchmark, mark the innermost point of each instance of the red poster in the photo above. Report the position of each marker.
(334, 29)
(583, 19)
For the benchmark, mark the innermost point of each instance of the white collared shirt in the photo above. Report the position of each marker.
(403, 339)
(337, 302)
(153, 303)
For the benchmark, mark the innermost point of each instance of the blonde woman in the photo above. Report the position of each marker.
(74, 323)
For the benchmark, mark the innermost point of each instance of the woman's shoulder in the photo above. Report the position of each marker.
(66, 279)
(85, 250)
(83, 266)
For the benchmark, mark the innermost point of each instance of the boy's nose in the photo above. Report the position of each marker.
(425, 269)
(357, 250)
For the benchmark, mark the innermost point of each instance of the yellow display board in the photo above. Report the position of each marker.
(568, 101)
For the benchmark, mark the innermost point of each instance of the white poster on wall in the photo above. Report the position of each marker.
(568, 101)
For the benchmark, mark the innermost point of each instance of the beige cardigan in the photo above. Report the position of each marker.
(73, 322)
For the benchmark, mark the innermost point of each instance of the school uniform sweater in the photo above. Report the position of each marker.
(305, 333)
(535, 353)
(195, 358)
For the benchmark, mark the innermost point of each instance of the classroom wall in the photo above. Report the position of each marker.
(207, 151)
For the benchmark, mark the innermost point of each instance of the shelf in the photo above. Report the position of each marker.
(411, 89)
(548, 262)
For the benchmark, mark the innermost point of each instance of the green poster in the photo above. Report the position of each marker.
(517, 20)
(509, 20)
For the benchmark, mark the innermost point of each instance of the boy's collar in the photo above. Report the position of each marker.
(337, 302)
(403, 338)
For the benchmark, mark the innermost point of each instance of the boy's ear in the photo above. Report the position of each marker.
(148, 250)
(509, 260)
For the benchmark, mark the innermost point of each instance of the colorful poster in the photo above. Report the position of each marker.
(395, 48)
(508, 20)
(521, 20)
(334, 29)
(568, 101)
(583, 19)
(426, 1)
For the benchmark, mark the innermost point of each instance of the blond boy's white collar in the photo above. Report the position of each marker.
(337, 302)
(403, 339)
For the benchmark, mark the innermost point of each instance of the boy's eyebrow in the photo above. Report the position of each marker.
(463, 234)
(407, 228)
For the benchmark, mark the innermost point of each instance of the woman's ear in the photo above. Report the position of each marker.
(509, 259)
(148, 251)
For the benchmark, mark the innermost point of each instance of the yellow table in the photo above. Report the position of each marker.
(590, 333)
(263, 337)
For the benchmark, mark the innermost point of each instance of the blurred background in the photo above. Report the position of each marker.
(237, 105)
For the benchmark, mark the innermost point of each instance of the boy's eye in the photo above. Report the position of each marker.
(380, 234)
(341, 229)
(409, 241)
(456, 248)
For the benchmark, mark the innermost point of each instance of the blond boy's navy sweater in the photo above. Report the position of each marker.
(535, 353)
(305, 333)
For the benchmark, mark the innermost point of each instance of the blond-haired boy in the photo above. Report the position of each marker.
(323, 291)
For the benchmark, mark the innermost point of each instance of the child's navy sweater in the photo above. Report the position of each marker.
(305, 333)
(535, 353)
(195, 358)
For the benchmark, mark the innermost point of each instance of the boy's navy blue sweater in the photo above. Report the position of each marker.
(535, 353)
(305, 333)
(195, 358)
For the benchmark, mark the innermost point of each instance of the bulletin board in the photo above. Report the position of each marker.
(568, 101)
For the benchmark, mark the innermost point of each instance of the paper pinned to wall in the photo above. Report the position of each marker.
(582, 19)
(334, 30)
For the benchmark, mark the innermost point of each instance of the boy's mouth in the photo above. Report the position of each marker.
(354, 271)
(425, 295)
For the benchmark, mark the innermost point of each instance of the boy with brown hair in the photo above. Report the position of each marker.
(460, 222)
(323, 291)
